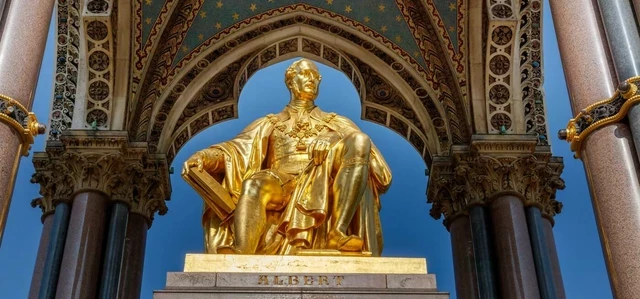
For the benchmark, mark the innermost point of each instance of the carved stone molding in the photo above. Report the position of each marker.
(102, 161)
(487, 168)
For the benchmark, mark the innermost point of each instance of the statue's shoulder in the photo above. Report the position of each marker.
(275, 118)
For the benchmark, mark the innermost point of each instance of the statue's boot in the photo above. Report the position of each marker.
(250, 221)
(348, 189)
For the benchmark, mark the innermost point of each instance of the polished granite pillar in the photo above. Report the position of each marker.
(485, 263)
(553, 257)
(25, 27)
(513, 249)
(36, 278)
(114, 251)
(541, 257)
(464, 263)
(84, 247)
(608, 153)
(133, 259)
(55, 251)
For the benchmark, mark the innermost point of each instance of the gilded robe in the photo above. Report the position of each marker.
(305, 217)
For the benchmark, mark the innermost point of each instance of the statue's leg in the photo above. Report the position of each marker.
(250, 219)
(352, 164)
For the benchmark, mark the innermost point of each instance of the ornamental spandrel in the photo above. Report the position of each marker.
(102, 161)
(476, 174)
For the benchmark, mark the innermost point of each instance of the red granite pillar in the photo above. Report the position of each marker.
(608, 153)
(80, 271)
(517, 272)
(463, 258)
(133, 260)
(21, 49)
(36, 279)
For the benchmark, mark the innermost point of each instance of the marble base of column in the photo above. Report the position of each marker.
(553, 257)
(114, 251)
(133, 260)
(463, 259)
(83, 248)
(513, 249)
(36, 279)
(485, 269)
(541, 259)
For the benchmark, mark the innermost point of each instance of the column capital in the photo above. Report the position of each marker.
(102, 161)
(490, 166)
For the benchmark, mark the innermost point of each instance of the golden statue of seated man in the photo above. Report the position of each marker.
(301, 179)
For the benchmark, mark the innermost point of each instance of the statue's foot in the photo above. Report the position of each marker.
(342, 242)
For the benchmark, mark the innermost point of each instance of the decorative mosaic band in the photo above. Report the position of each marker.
(600, 114)
(16, 116)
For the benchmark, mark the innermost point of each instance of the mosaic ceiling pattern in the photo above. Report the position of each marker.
(382, 16)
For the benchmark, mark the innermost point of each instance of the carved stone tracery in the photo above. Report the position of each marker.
(476, 174)
(104, 162)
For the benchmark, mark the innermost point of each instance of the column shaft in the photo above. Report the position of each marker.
(38, 271)
(482, 248)
(513, 249)
(541, 259)
(83, 248)
(463, 259)
(114, 251)
(21, 49)
(624, 40)
(553, 257)
(133, 261)
(608, 154)
(55, 251)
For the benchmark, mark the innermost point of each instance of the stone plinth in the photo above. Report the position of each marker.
(245, 276)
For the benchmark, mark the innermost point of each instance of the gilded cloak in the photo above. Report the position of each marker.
(305, 218)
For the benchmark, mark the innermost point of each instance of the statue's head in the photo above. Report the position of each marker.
(303, 79)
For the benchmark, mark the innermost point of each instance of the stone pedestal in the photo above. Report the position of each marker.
(246, 276)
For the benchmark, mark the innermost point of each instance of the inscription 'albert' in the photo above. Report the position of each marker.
(309, 280)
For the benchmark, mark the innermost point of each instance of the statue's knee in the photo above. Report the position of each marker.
(252, 186)
(360, 142)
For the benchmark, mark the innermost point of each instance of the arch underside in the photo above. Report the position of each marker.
(395, 91)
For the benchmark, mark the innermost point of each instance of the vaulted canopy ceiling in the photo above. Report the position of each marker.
(191, 59)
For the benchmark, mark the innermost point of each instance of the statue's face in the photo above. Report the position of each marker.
(306, 81)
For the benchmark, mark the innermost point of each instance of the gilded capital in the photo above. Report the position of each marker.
(478, 173)
(102, 161)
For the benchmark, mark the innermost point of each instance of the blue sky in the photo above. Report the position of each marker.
(408, 229)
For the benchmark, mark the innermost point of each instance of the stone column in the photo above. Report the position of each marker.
(553, 256)
(540, 250)
(55, 251)
(42, 256)
(133, 260)
(608, 153)
(84, 247)
(513, 248)
(464, 263)
(504, 174)
(26, 27)
(114, 251)
(485, 262)
(101, 168)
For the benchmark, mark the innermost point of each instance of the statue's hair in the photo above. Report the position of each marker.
(292, 70)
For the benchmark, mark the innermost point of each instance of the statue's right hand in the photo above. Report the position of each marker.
(196, 160)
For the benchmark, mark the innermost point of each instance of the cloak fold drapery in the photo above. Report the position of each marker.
(304, 221)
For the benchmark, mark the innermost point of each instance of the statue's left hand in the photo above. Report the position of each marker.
(319, 148)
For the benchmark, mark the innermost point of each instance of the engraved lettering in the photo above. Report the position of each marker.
(322, 280)
(338, 280)
(277, 281)
(293, 280)
(263, 280)
(308, 280)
